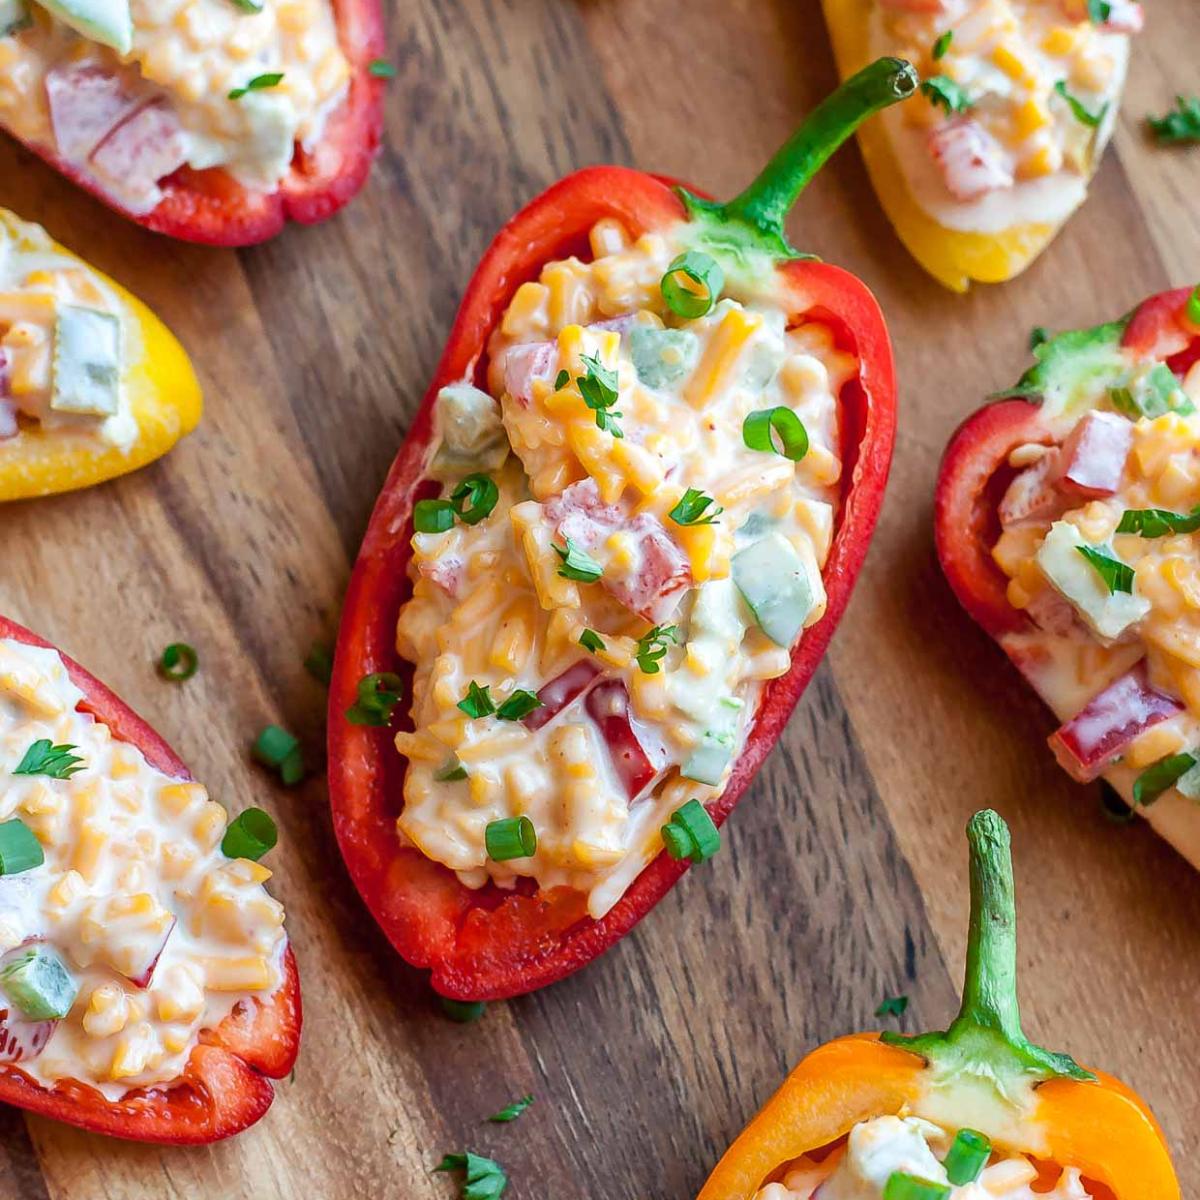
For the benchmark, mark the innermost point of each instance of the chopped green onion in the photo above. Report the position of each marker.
(451, 771)
(758, 428)
(319, 663)
(967, 1157)
(892, 1006)
(690, 509)
(691, 833)
(1099, 11)
(1117, 576)
(942, 92)
(1113, 806)
(510, 1112)
(478, 701)
(179, 662)
(518, 706)
(378, 696)
(258, 84)
(279, 750)
(44, 758)
(942, 45)
(510, 837)
(250, 835)
(1192, 311)
(578, 564)
(19, 849)
(483, 1178)
(39, 984)
(1159, 776)
(250, 6)
(909, 1187)
(1080, 111)
(433, 516)
(697, 291)
(381, 68)
(465, 1012)
(589, 639)
(599, 389)
(1158, 522)
(479, 493)
(652, 647)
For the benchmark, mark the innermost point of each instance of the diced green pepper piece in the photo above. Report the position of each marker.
(1151, 394)
(87, 362)
(38, 983)
(472, 434)
(20, 850)
(774, 582)
(14, 16)
(662, 357)
(707, 762)
(108, 22)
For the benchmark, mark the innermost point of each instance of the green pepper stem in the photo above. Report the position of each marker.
(763, 207)
(985, 1038)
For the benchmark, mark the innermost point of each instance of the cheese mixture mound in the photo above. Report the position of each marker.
(880, 1148)
(613, 570)
(65, 337)
(133, 90)
(1020, 98)
(135, 924)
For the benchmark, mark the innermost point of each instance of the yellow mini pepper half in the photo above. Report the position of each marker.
(954, 258)
(51, 304)
(981, 1075)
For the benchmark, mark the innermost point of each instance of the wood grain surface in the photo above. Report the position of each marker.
(844, 876)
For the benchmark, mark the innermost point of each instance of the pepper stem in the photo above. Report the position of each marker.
(986, 1039)
(758, 214)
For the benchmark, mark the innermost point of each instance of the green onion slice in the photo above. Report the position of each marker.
(692, 284)
(381, 68)
(1117, 575)
(691, 833)
(578, 564)
(378, 696)
(465, 1012)
(478, 701)
(319, 662)
(250, 835)
(967, 1157)
(179, 662)
(259, 83)
(19, 848)
(690, 509)
(451, 771)
(518, 706)
(1193, 307)
(510, 837)
(1079, 110)
(277, 749)
(942, 45)
(433, 516)
(590, 640)
(909, 1187)
(479, 493)
(1159, 776)
(760, 428)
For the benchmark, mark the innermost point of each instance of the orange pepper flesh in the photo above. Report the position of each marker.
(1089, 1121)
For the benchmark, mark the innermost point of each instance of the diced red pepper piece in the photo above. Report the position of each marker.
(560, 691)
(446, 572)
(973, 162)
(142, 978)
(1032, 493)
(21, 1038)
(8, 408)
(608, 705)
(525, 363)
(86, 105)
(147, 147)
(1087, 743)
(1093, 456)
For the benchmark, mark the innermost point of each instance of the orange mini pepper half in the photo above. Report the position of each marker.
(981, 1074)
(159, 394)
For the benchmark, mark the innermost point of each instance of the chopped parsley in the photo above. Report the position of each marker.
(519, 705)
(652, 647)
(942, 45)
(578, 564)
(1181, 124)
(1158, 522)
(1099, 11)
(589, 639)
(1117, 576)
(378, 696)
(892, 1006)
(478, 701)
(1081, 112)
(259, 83)
(599, 391)
(942, 92)
(510, 1112)
(690, 509)
(44, 758)
(483, 1178)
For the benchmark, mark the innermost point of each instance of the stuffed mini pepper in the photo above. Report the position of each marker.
(975, 1113)
(92, 384)
(1067, 517)
(146, 982)
(644, 481)
(209, 120)
(1019, 100)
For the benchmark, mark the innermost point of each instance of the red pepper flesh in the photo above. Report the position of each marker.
(224, 1088)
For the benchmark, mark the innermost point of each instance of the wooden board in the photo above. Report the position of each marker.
(843, 878)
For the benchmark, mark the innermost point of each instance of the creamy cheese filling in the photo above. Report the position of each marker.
(877, 1149)
(1012, 149)
(134, 887)
(190, 90)
(650, 675)
(74, 389)
(1113, 644)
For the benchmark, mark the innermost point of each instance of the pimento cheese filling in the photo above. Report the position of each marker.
(65, 337)
(876, 1150)
(195, 86)
(641, 574)
(160, 933)
(1020, 99)
(1098, 539)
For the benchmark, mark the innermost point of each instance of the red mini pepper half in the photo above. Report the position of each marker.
(224, 1088)
(212, 208)
(489, 943)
